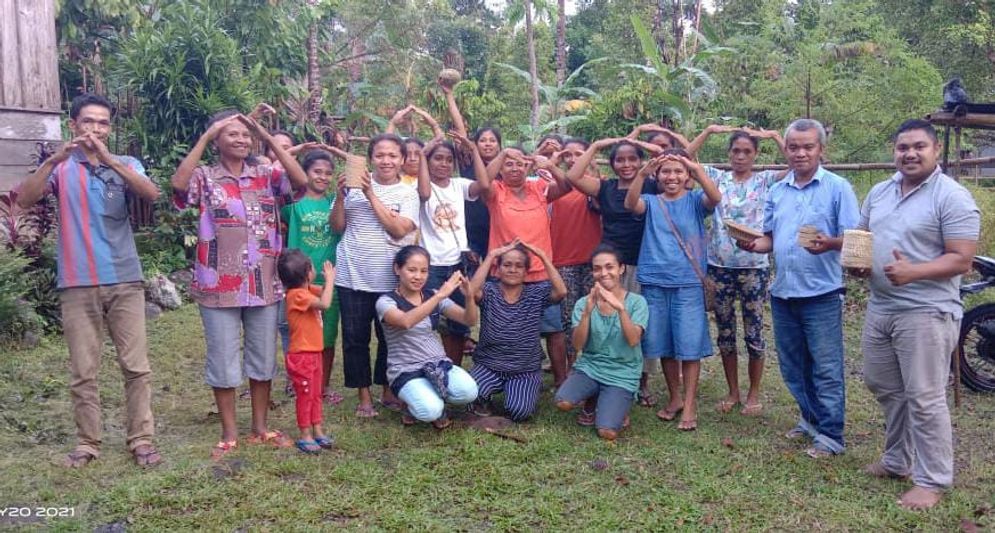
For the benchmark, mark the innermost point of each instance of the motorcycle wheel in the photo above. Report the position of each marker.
(977, 348)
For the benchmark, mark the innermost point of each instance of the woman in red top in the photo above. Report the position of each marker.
(519, 209)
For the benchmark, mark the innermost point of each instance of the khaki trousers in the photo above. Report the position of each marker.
(85, 313)
(906, 366)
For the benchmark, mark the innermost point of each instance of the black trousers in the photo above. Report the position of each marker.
(358, 310)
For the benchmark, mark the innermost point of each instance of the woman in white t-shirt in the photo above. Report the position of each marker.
(443, 223)
(375, 220)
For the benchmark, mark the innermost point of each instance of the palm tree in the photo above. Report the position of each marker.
(313, 69)
(517, 10)
(561, 42)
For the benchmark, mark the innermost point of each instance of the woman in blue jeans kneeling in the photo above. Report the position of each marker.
(608, 326)
(418, 371)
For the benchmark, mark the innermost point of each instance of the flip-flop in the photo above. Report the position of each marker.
(307, 446)
(332, 398)
(366, 411)
(668, 416)
(274, 438)
(752, 409)
(647, 399)
(326, 442)
(222, 448)
(146, 456)
(79, 459)
(585, 418)
(407, 419)
(726, 405)
(391, 405)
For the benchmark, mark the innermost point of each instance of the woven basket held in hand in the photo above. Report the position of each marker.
(857, 248)
(355, 169)
(741, 232)
(806, 236)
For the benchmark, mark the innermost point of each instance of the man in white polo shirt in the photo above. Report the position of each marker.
(925, 228)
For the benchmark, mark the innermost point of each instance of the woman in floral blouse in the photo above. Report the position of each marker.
(736, 272)
(235, 281)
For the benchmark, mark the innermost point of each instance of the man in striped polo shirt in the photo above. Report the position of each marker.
(99, 274)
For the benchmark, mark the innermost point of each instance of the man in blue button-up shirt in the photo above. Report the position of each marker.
(807, 292)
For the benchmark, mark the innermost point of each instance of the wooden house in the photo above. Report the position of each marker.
(30, 108)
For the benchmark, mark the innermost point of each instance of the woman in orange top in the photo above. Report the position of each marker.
(519, 209)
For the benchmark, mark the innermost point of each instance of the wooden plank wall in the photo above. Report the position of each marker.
(29, 84)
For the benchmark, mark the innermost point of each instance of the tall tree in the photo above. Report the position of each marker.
(561, 42)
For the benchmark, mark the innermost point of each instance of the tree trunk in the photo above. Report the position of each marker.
(561, 43)
(355, 67)
(313, 76)
(533, 64)
(659, 15)
(677, 23)
(697, 26)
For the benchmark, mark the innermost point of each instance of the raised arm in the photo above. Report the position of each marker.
(480, 277)
(482, 184)
(430, 120)
(337, 217)
(454, 113)
(394, 224)
(139, 184)
(699, 141)
(712, 194)
(559, 289)
(633, 197)
(296, 174)
(424, 179)
(772, 135)
(325, 300)
(578, 176)
(409, 319)
(399, 116)
(464, 315)
(181, 178)
(33, 187)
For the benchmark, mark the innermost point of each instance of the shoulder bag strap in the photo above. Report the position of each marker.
(680, 241)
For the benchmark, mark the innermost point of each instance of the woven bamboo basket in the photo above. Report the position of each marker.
(806, 234)
(858, 248)
(355, 170)
(740, 232)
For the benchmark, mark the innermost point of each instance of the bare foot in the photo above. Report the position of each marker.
(878, 470)
(687, 424)
(920, 498)
(671, 411)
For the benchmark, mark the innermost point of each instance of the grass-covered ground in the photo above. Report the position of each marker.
(734, 473)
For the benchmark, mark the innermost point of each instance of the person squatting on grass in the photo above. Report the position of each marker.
(807, 293)
(672, 262)
(509, 356)
(305, 303)
(235, 282)
(99, 274)
(926, 229)
(419, 372)
(608, 326)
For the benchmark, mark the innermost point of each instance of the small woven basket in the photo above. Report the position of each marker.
(806, 234)
(355, 169)
(741, 232)
(858, 251)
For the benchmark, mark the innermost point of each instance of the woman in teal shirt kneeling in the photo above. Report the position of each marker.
(608, 326)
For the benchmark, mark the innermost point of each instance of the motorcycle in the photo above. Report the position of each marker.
(977, 331)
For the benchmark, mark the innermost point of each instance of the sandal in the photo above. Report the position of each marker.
(407, 419)
(585, 418)
(647, 399)
(366, 411)
(78, 459)
(667, 415)
(481, 408)
(275, 438)
(332, 398)
(726, 405)
(391, 405)
(442, 423)
(326, 442)
(222, 448)
(307, 446)
(146, 456)
(752, 409)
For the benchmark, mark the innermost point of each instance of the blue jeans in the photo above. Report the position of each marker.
(808, 333)
(613, 402)
(437, 275)
(424, 402)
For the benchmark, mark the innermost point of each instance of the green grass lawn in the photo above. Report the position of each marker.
(734, 473)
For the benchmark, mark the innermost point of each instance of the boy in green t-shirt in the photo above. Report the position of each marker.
(309, 231)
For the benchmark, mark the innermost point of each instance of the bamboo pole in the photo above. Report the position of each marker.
(976, 162)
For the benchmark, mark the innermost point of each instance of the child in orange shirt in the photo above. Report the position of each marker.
(305, 302)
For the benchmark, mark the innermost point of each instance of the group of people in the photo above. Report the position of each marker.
(614, 272)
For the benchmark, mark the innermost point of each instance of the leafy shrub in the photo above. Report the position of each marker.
(17, 317)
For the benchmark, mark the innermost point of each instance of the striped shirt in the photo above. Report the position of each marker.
(509, 332)
(365, 255)
(95, 244)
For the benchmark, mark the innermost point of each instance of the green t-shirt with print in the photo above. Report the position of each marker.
(309, 230)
